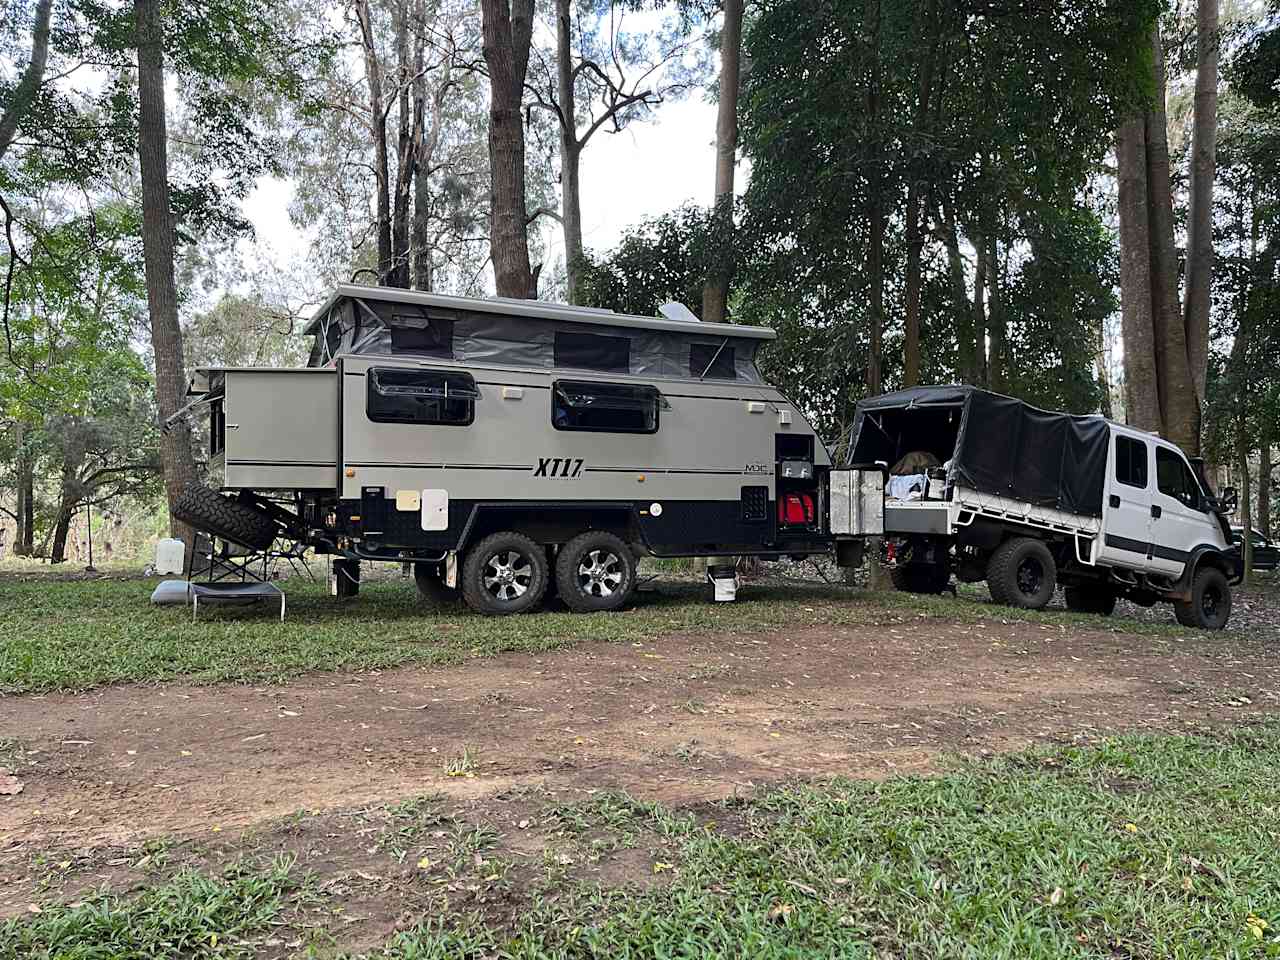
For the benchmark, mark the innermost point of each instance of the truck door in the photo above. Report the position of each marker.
(1127, 511)
(1178, 521)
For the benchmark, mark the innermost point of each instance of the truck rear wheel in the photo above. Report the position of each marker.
(504, 573)
(595, 571)
(429, 578)
(1091, 598)
(232, 520)
(1210, 604)
(1022, 574)
(925, 578)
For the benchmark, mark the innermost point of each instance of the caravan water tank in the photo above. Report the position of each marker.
(171, 556)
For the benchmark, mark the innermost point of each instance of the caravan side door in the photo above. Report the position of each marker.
(1127, 510)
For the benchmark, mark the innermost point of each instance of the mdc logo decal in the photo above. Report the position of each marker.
(758, 468)
(564, 467)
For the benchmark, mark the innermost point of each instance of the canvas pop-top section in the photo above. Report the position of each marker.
(386, 321)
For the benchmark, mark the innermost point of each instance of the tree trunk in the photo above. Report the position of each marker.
(176, 456)
(1179, 410)
(570, 149)
(25, 92)
(876, 211)
(979, 329)
(406, 152)
(1141, 396)
(915, 216)
(715, 292)
(996, 320)
(423, 265)
(1246, 509)
(24, 537)
(507, 29)
(378, 138)
(1204, 139)
(1264, 479)
(966, 362)
(66, 512)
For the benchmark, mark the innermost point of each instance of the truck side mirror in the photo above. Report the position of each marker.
(1230, 500)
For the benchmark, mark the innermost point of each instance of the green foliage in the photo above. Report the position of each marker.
(192, 915)
(661, 260)
(1021, 111)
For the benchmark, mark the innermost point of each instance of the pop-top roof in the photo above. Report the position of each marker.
(532, 309)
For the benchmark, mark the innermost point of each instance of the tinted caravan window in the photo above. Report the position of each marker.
(431, 336)
(591, 351)
(421, 396)
(712, 360)
(604, 407)
(1131, 462)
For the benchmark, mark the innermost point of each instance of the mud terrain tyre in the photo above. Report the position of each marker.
(232, 520)
(1210, 606)
(429, 577)
(595, 571)
(929, 579)
(505, 573)
(1091, 598)
(1022, 573)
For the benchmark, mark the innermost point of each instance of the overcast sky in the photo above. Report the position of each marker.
(643, 171)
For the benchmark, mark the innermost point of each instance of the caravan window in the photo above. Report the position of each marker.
(714, 360)
(1131, 462)
(591, 351)
(421, 396)
(432, 336)
(604, 407)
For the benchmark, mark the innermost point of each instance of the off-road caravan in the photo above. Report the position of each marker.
(993, 489)
(505, 447)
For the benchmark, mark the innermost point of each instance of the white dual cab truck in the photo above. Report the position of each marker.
(989, 488)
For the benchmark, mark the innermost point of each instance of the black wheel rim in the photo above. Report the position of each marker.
(1210, 601)
(1030, 577)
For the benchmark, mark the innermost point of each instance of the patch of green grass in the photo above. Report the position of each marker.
(78, 634)
(192, 915)
(1138, 847)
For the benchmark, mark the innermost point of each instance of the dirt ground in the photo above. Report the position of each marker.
(681, 719)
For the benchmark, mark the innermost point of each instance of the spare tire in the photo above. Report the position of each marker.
(232, 520)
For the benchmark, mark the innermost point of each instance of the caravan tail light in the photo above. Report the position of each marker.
(796, 510)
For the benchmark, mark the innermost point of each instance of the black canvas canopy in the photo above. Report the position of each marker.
(531, 334)
(996, 444)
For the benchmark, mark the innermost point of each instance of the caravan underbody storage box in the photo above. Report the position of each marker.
(857, 502)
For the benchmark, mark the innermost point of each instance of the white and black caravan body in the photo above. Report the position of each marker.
(993, 489)
(505, 447)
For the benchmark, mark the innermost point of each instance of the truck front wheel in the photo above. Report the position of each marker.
(1022, 574)
(1210, 604)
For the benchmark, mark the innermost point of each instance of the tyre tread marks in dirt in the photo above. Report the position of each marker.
(570, 557)
(232, 520)
(473, 589)
(1193, 613)
(1091, 598)
(1002, 574)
